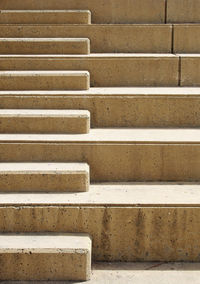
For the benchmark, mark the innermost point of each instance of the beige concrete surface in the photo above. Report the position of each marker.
(147, 233)
(44, 80)
(183, 11)
(147, 272)
(190, 68)
(44, 121)
(103, 11)
(59, 177)
(104, 38)
(187, 38)
(106, 70)
(132, 194)
(115, 136)
(115, 154)
(117, 107)
(45, 257)
(44, 46)
(45, 17)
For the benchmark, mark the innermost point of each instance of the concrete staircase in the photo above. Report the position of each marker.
(129, 185)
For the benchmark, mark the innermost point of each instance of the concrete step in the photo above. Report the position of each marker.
(44, 80)
(45, 17)
(103, 11)
(110, 38)
(114, 154)
(117, 107)
(45, 256)
(44, 46)
(59, 177)
(183, 11)
(44, 121)
(186, 38)
(151, 218)
(106, 70)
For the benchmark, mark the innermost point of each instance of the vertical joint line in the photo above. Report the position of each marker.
(165, 11)
(179, 71)
(172, 47)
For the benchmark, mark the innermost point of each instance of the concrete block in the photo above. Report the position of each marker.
(44, 121)
(45, 257)
(190, 70)
(57, 177)
(186, 38)
(44, 80)
(44, 46)
(183, 11)
(45, 17)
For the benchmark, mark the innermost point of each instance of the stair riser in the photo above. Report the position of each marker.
(190, 70)
(186, 38)
(103, 11)
(43, 266)
(78, 17)
(45, 47)
(44, 82)
(104, 38)
(45, 125)
(183, 11)
(146, 234)
(26, 182)
(106, 71)
(116, 111)
(115, 161)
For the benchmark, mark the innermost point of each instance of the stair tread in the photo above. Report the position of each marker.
(44, 112)
(44, 73)
(114, 194)
(113, 135)
(44, 243)
(95, 55)
(43, 167)
(64, 39)
(153, 91)
(43, 11)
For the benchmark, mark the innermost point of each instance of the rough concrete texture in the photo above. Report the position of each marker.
(186, 38)
(45, 256)
(44, 121)
(190, 68)
(150, 273)
(44, 46)
(104, 38)
(45, 17)
(157, 222)
(117, 107)
(106, 70)
(115, 154)
(44, 80)
(59, 177)
(183, 11)
(103, 11)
